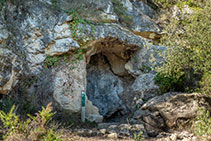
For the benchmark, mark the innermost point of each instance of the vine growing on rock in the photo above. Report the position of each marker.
(79, 33)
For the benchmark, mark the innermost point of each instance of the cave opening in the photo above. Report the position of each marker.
(108, 82)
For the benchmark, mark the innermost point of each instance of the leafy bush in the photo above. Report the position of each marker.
(203, 123)
(188, 47)
(169, 83)
(34, 128)
(181, 3)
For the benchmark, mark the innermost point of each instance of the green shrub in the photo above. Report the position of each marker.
(188, 47)
(52, 61)
(169, 3)
(203, 123)
(6, 104)
(169, 83)
(205, 84)
(34, 128)
(139, 136)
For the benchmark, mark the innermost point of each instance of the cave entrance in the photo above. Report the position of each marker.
(107, 78)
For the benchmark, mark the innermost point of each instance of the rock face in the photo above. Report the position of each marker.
(10, 67)
(64, 85)
(170, 110)
(145, 86)
(38, 52)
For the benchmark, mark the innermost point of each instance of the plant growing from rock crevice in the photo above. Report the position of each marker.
(79, 33)
(52, 61)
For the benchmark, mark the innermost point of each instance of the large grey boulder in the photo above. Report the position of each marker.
(175, 106)
(63, 86)
(137, 16)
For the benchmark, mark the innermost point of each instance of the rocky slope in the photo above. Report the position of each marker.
(51, 50)
(36, 34)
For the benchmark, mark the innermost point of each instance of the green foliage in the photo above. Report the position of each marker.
(203, 123)
(9, 120)
(78, 32)
(135, 59)
(171, 83)
(139, 136)
(2, 2)
(33, 128)
(169, 3)
(188, 46)
(51, 136)
(52, 61)
(120, 10)
(205, 84)
(6, 104)
(145, 68)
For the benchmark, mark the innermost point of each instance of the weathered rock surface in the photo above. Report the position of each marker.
(175, 106)
(164, 112)
(63, 85)
(145, 60)
(10, 67)
(145, 86)
(137, 16)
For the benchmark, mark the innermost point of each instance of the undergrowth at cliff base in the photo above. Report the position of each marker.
(33, 128)
(203, 123)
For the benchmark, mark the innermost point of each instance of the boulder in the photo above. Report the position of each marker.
(145, 86)
(94, 118)
(175, 106)
(63, 85)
